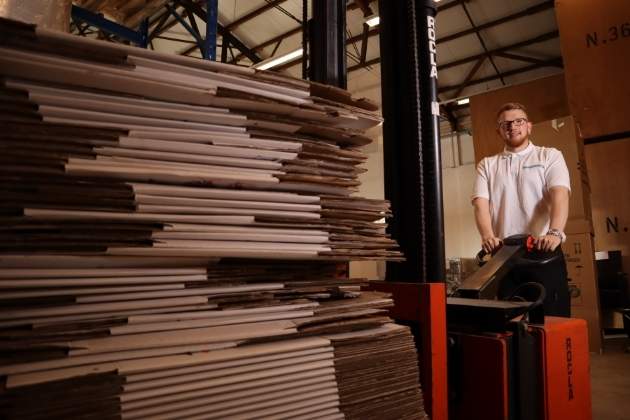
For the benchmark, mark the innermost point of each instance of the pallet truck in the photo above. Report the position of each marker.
(506, 359)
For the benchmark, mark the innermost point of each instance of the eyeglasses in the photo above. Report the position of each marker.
(516, 123)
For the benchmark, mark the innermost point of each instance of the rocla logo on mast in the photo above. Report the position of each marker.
(435, 106)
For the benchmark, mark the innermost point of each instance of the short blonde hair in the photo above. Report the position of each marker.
(509, 107)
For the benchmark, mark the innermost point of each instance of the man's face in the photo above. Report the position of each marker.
(513, 134)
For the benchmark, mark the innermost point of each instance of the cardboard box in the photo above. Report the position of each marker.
(576, 290)
(561, 133)
(595, 37)
(612, 319)
(609, 173)
(580, 259)
(579, 226)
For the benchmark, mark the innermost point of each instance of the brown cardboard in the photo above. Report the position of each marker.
(580, 259)
(561, 133)
(610, 177)
(575, 291)
(544, 99)
(612, 319)
(579, 226)
(595, 37)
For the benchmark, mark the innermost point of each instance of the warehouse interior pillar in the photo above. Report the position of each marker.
(413, 181)
(328, 43)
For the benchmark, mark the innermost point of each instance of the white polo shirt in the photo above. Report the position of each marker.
(517, 186)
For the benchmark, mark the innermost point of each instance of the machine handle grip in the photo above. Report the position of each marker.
(529, 242)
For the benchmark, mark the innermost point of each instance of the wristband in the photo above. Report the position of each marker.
(557, 232)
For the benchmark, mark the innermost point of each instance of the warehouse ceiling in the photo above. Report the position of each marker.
(482, 44)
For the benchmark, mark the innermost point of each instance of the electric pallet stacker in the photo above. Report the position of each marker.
(507, 360)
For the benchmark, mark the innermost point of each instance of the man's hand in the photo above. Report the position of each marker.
(548, 243)
(490, 244)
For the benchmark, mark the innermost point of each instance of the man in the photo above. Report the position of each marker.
(525, 190)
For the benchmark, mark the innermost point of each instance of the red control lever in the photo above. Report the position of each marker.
(531, 243)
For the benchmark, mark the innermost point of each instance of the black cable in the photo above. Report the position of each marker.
(542, 294)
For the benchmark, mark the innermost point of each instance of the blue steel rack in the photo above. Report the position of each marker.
(140, 37)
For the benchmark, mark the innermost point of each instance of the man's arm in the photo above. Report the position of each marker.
(559, 214)
(489, 242)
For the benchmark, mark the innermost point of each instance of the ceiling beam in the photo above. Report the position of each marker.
(351, 6)
(526, 59)
(532, 10)
(547, 63)
(160, 24)
(541, 38)
(254, 13)
(358, 5)
(368, 63)
(374, 31)
(272, 41)
(364, 5)
(190, 49)
(538, 8)
(228, 37)
(165, 26)
(451, 4)
(483, 44)
(469, 76)
(361, 37)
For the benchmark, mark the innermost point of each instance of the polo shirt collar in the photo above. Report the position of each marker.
(522, 153)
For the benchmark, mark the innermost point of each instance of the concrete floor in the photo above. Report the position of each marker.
(610, 381)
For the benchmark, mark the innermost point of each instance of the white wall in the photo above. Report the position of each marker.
(367, 83)
(461, 236)
(458, 173)
(372, 186)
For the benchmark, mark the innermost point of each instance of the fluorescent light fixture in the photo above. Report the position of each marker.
(276, 61)
(463, 101)
(372, 21)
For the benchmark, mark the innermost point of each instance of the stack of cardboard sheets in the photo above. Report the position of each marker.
(122, 151)
(156, 339)
(169, 230)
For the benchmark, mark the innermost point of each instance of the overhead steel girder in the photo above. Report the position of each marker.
(227, 35)
(191, 28)
(139, 37)
(483, 43)
(352, 6)
(212, 21)
(541, 38)
(470, 75)
(526, 59)
(254, 13)
(272, 41)
(298, 29)
(207, 44)
(375, 31)
(538, 8)
(554, 62)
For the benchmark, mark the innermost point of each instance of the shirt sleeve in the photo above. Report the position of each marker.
(556, 172)
(480, 187)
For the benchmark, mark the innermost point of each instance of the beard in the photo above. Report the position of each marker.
(516, 139)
